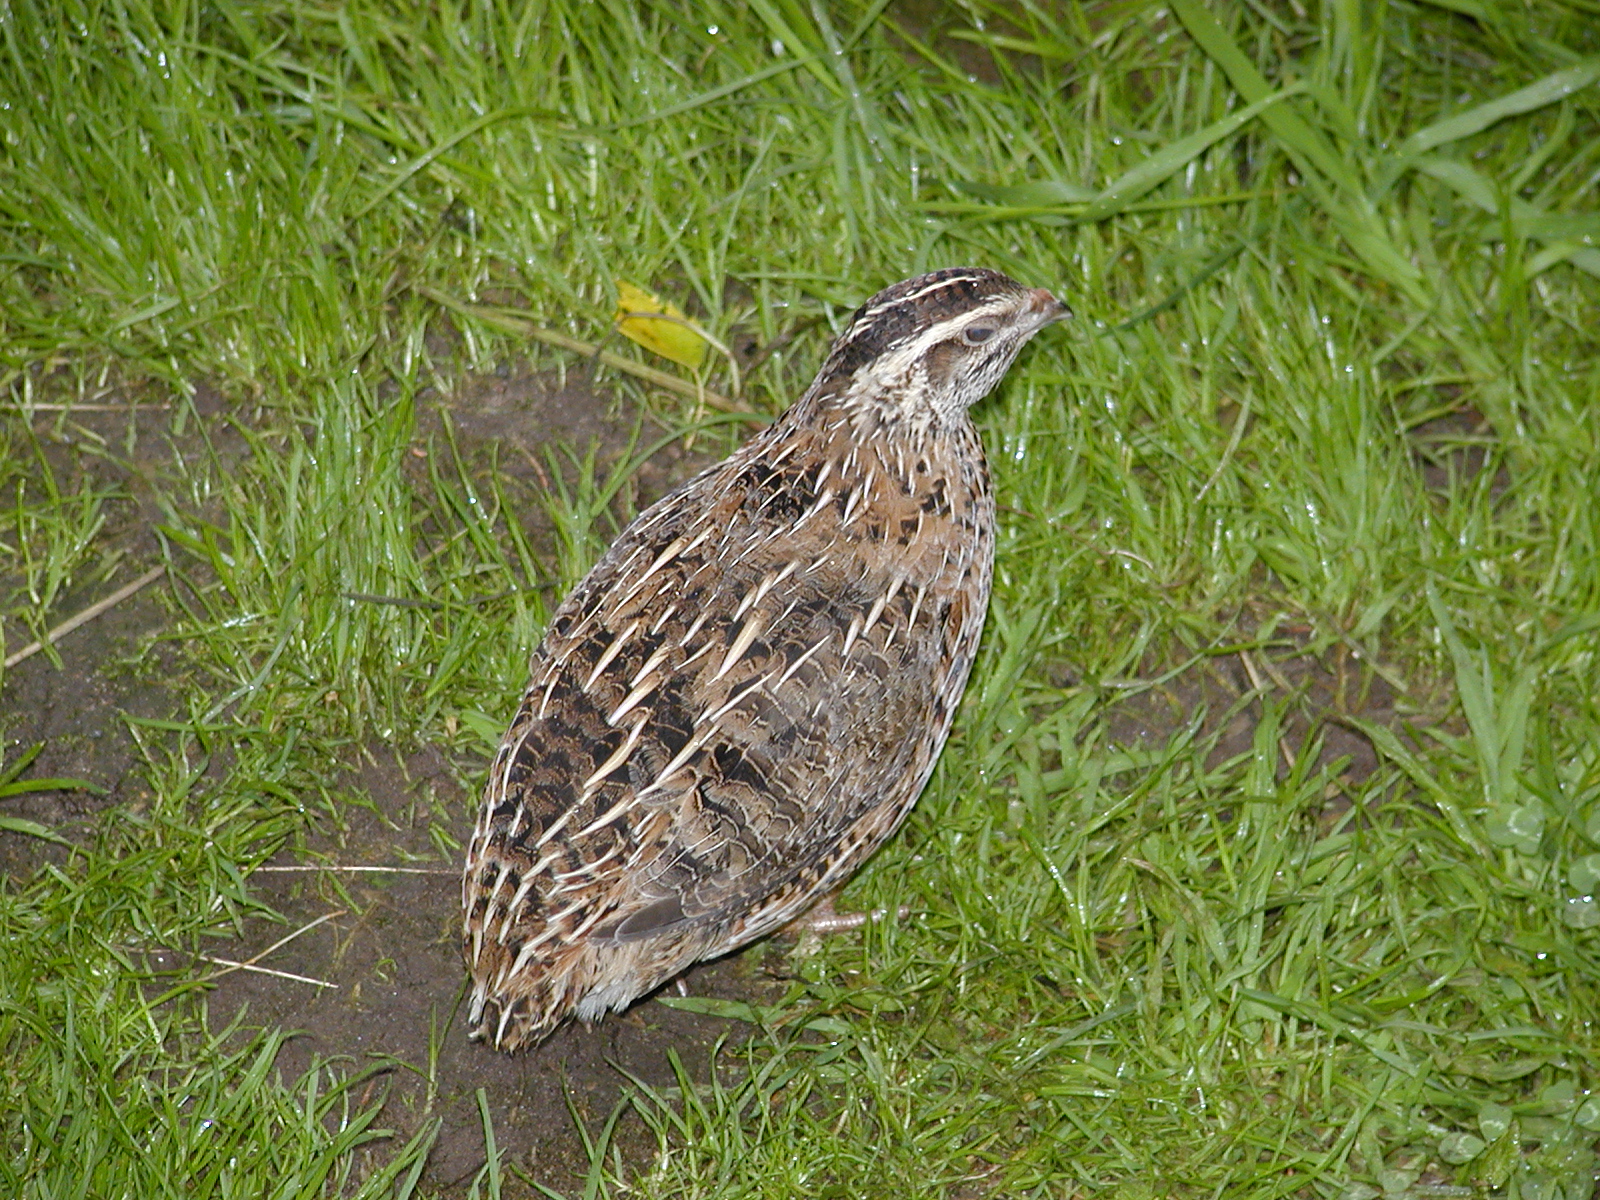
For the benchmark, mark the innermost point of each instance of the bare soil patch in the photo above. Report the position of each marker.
(389, 943)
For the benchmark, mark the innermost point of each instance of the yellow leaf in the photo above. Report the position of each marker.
(669, 338)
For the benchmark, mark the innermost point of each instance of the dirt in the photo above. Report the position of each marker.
(371, 977)
(1321, 692)
(375, 984)
(106, 675)
(380, 984)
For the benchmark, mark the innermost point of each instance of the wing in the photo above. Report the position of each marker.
(721, 722)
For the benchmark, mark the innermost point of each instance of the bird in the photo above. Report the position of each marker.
(745, 696)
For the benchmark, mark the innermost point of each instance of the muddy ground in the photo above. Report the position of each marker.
(375, 982)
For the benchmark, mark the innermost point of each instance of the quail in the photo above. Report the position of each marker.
(745, 696)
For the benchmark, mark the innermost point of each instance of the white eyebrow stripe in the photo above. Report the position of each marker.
(942, 329)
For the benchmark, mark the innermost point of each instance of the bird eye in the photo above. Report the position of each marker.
(976, 335)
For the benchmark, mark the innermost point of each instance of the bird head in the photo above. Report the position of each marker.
(928, 348)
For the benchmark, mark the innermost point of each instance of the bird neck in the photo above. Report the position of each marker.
(857, 445)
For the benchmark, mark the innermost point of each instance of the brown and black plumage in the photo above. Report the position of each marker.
(744, 698)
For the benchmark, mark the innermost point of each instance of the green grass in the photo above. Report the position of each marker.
(1330, 403)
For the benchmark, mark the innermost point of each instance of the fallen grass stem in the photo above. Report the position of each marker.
(512, 321)
(83, 618)
(250, 964)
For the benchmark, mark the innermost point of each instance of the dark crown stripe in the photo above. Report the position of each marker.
(963, 287)
(902, 312)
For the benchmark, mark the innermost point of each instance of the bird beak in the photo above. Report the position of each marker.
(1047, 308)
